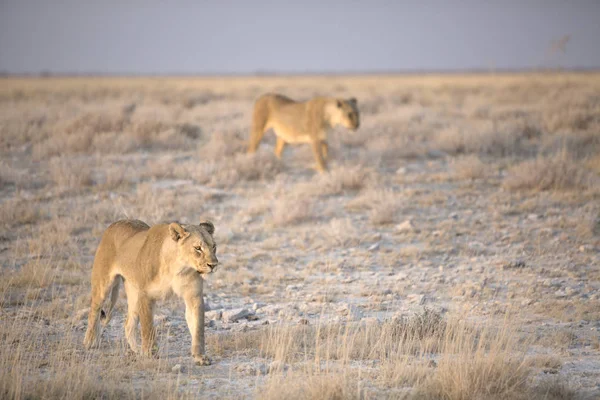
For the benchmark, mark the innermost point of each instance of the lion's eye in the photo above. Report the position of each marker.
(198, 249)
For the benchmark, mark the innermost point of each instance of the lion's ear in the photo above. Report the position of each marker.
(353, 101)
(177, 231)
(210, 228)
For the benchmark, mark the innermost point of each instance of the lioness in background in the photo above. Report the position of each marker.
(153, 263)
(301, 122)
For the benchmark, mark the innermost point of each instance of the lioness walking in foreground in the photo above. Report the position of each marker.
(301, 122)
(153, 263)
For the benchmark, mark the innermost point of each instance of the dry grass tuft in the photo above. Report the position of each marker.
(558, 172)
(222, 145)
(292, 211)
(382, 205)
(311, 386)
(469, 167)
(17, 212)
(68, 175)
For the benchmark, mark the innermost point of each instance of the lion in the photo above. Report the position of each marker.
(152, 262)
(302, 122)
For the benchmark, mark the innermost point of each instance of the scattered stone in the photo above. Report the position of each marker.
(571, 291)
(178, 368)
(253, 369)
(406, 226)
(277, 366)
(293, 288)
(560, 294)
(81, 315)
(257, 305)
(252, 317)
(416, 298)
(351, 312)
(236, 314)
(373, 247)
(214, 315)
(527, 302)
(271, 309)
(207, 306)
(514, 264)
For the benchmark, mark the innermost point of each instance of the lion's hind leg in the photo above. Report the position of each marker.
(259, 124)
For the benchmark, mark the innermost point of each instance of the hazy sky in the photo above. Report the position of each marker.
(283, 36)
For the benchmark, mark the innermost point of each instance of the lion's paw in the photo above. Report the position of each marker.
(202, 360)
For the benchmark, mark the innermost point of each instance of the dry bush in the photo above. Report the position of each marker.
(553, 388)
(472, 361)
(469, 167)
(9, 175)
(17, 212)
(382, 205)
(487, 363)
(570, 118)
(311, 385)
(37, 362)
(580, 145)
(241, 167)
(291, 211)
(341, 180)
(558, 172)
(491, 138)
(222, 145)
(36, 273)
(146, 132)
(68, 175)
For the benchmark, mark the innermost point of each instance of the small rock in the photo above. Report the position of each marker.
(236, 314)
(277, 366)
(214, 315)
(406, 226)
(514, 264)
(271, 309)
(571, 291)
(257, 305)
(527, 302)
(373, 247)
(416, 298)
(560, 294)
(178, 368)
(293, 288)
(350, 311)
(81, 315)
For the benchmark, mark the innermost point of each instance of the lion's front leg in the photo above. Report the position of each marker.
(194, 315)
(316, 147)
(145, 310)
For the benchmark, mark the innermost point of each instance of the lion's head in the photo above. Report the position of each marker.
(196, 246)
(345, 113)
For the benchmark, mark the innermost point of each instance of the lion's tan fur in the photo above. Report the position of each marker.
(153, 262)
(301, 122)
